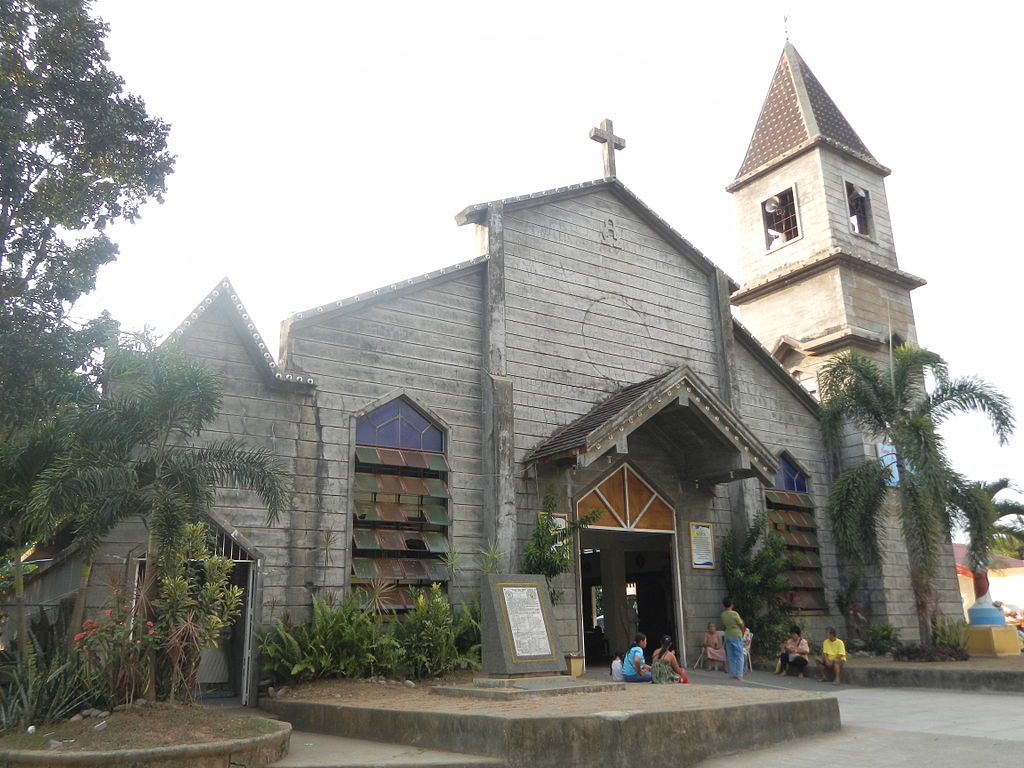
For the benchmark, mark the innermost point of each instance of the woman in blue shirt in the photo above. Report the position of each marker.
(634, 670)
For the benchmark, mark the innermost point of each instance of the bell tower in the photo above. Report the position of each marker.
(819, 260)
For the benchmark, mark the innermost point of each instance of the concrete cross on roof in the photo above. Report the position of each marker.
(611, 142)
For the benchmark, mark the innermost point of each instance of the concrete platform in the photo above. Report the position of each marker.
(948, 676)
(317, 750)
(549, 733)
(525, 687)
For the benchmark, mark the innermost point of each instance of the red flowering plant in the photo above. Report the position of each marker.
(114, 648)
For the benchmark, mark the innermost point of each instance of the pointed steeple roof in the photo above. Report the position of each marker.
(798, 114)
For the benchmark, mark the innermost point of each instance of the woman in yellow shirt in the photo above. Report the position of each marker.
(833, 656)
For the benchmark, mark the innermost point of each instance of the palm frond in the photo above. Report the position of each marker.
(854, 386)
(968, 394)
(854, 509)
(230, 461)
(974, 511)
(910, 363)
(922, 529)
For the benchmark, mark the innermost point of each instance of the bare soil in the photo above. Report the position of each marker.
(161, 725)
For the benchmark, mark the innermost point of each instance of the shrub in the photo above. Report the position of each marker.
(950, 632)
(549, 552)
(929, 653)
(340, 640)
(114, 652)
(754, 568)
(42, 687)
(882, 639)
(467, 633)
(428, 634)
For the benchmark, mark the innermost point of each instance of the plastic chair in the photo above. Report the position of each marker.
(748, 640)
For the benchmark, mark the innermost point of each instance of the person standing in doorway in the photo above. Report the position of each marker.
(732, 623)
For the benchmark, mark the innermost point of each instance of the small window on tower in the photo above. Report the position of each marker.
(780, 222)
(859, 202)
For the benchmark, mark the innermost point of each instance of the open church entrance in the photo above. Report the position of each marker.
(629, 580)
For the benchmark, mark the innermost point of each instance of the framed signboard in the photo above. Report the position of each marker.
(702, 545)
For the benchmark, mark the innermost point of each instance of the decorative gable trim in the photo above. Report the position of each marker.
(258, 351)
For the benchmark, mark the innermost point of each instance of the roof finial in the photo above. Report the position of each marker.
(611, 142)
(785, 25)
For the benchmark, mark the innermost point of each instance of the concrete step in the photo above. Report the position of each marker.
(316, 750)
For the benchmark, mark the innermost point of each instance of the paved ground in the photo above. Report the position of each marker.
(885, 727)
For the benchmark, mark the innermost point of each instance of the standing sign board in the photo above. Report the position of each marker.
(517, 626)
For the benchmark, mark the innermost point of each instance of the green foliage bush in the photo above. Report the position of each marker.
(42, 686)
(881, 639)
(427, 633)
(116, 667)
(351, 639)
(950, 632)
(339, 640)
(549, 552)
(754, 568)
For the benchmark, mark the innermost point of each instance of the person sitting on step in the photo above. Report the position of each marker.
(617, 666)
(833, 656)
(634, 670)
(794, 653)
(664, 665)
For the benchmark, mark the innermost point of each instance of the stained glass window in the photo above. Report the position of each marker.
(789, 478)
(399, 425)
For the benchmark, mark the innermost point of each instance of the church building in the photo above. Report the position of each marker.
(589, 348)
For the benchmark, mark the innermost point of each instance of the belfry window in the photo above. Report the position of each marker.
(791, 517)
(780, 219)
(858, 202)
(401, 517)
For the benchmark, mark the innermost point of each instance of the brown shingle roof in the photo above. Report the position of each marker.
(798, 112)
(573, 436)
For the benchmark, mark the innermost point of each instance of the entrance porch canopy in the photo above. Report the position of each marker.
(716, 445)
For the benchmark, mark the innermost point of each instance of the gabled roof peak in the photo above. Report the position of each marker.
(797, 114)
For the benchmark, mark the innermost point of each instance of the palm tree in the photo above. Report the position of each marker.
(22, 461)
(894, 406)
(135, 454)
(992, 526)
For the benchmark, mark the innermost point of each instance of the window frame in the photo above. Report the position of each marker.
(767, 219)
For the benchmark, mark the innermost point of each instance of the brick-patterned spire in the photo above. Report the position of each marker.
(797, 113)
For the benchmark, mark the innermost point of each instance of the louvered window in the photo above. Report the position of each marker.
(791, 516)
(401, 515)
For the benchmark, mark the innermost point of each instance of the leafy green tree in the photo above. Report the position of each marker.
(754, 567)
(137, 454)
(76, 154)
(893, 405)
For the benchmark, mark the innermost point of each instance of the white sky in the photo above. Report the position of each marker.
(324, 147)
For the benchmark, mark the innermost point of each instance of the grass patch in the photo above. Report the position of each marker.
(161, 725)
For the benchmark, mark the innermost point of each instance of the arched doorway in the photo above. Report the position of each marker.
(629, 571)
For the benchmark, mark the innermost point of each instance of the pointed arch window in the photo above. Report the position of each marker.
(401, 517)
(791, 517)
